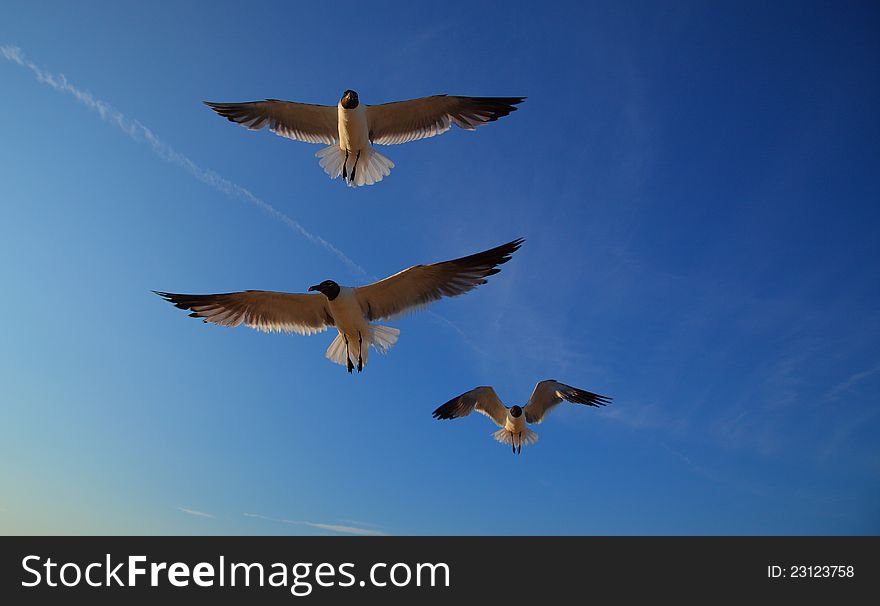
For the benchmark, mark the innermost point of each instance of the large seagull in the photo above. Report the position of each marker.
(351, 129)
(351, 310)
(512, 421)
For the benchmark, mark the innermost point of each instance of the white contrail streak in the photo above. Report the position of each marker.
(193, 512)
(139, 133)
(364, 532)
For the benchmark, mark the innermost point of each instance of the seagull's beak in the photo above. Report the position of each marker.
(315, 287)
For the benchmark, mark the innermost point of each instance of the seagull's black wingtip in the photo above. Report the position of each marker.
(221, 109)
(598, 400)
(442, 415)
(511, 247)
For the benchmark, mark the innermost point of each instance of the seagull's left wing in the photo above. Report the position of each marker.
(403, 121)
(420, 285)
(549, 393)
(301, 121)
(259, 309)
(482, 399)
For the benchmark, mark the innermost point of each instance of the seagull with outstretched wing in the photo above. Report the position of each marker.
(351, 310)
(351, 129)
(512, 421)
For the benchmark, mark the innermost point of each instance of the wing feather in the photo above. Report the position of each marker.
(416, 287)
(301, 121)
(482, 399)
(404, 121)
(259, 309)
(550, 393)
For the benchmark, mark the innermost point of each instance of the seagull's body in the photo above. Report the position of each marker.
(354, 132)
(351, 310)
(512, 421)
(355, 331)
(351, 128)
(347, 313)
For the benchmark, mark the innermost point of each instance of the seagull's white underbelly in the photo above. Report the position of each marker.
(354, 133)
(347, 314)
(515, 425)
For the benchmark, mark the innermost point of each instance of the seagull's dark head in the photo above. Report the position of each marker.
(328, 288)
(349, 99)
(515, 412)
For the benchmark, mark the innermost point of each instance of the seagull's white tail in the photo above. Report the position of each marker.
(336, 351)
(380, 337)
(371, 167)
(506, 437)
(383, 337)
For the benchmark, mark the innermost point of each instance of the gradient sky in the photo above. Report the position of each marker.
(697, 186)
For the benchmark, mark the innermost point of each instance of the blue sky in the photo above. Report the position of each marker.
(698, 190)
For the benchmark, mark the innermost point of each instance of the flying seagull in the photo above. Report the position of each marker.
(512, 421)
(351, 129)
(350, 309)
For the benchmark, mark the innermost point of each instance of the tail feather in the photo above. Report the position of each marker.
(506, 437)
(383, 337)
(336, 351)
(371, 167)
(331, 159)
(380, 338)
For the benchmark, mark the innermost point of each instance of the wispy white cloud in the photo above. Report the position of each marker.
(338, 528)
(359, 523)
(835, 392)
(840, 436)
(260, 517)
(139, 133)
(193, 512)
(645, 415)
(342, 529)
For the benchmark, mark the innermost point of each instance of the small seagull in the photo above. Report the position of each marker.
(351, 129)
(350, 309)
(512, 421)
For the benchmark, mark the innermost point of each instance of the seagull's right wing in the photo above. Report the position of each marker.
(259, 309)
(420, 285)
(550, 393)
(301, 121)
(482, 399)
(404, 121)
